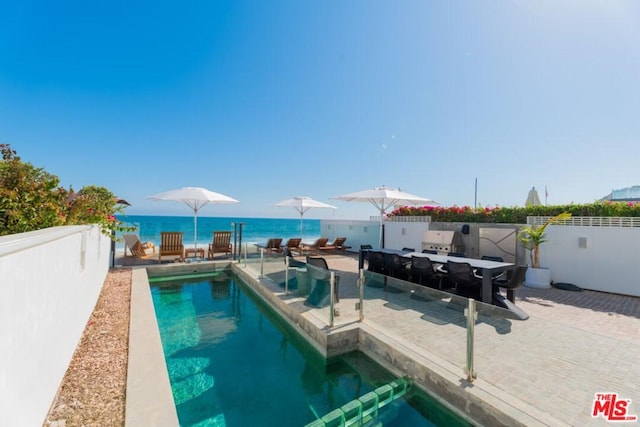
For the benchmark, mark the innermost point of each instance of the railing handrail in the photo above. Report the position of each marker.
(589, 221)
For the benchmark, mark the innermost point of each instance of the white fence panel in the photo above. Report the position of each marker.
(598, 258)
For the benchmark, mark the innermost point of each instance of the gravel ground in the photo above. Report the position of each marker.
(93, 390)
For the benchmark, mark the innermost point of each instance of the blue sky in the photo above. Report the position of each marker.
(264, 101)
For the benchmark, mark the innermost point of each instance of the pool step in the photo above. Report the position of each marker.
(364, 410)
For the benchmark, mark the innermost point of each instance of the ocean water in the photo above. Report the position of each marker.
(254, 230)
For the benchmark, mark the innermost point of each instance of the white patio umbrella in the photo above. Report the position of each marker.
(303, 204)
(383, 198)
(532, 198)
(195, 198)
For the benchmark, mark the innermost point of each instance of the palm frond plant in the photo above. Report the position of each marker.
(532, 236)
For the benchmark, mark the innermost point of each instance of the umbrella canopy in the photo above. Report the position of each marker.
(383, 198)
(303, 204)
(195, 198)
(532, 198)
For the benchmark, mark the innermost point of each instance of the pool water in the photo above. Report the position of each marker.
(233, 362)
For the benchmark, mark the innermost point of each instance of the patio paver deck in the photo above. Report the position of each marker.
(574, 345)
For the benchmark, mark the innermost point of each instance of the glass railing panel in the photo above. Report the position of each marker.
(263, 264)
(253, 254)
(315, 284)
(429, 318)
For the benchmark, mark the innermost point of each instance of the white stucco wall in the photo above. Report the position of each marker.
(610, 262)
(50, 280)
(397, 234)
(405, 234)
(357, 232)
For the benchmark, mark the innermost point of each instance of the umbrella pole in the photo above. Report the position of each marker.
(381, 239)
(195, 230)
(301, 216)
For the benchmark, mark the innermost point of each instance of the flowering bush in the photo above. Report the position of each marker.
(517, 215)
(95, 205)
(31, 199)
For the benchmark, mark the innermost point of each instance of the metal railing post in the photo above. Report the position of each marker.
(332, 282)
(235, 240)
(261, 263)
(361, 291)
(240, 225)
(470, 313)
(286, 275)
(245, 255)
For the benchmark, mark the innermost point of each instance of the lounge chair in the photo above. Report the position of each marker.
(221, 244)
(337, 245)
(171, 244)
(272, 245)
(314, 247)
(137, 248)
(293, 244)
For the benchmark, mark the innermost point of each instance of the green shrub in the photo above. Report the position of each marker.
(517, 214)
(31, 199)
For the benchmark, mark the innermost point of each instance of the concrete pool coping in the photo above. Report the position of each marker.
(149, 398)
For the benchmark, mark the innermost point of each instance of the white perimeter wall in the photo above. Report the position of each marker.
(610, 262)
(50, 280)
(397, 234)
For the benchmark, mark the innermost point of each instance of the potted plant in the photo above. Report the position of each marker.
(531, 237)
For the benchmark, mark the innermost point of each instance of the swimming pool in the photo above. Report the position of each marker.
(233, 362)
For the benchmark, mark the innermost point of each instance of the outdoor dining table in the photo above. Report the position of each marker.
(489, 269)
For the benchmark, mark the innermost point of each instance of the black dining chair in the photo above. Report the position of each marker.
(365, 251)
(457, 254)
(396, 267)
(514, 281)
(480, 272)
(376, 262)
(442, 268)
(423, 272)
(467, 284)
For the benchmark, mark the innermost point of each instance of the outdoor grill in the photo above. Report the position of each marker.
(443, 241)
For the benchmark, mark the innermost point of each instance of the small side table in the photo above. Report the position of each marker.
(193, 252)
